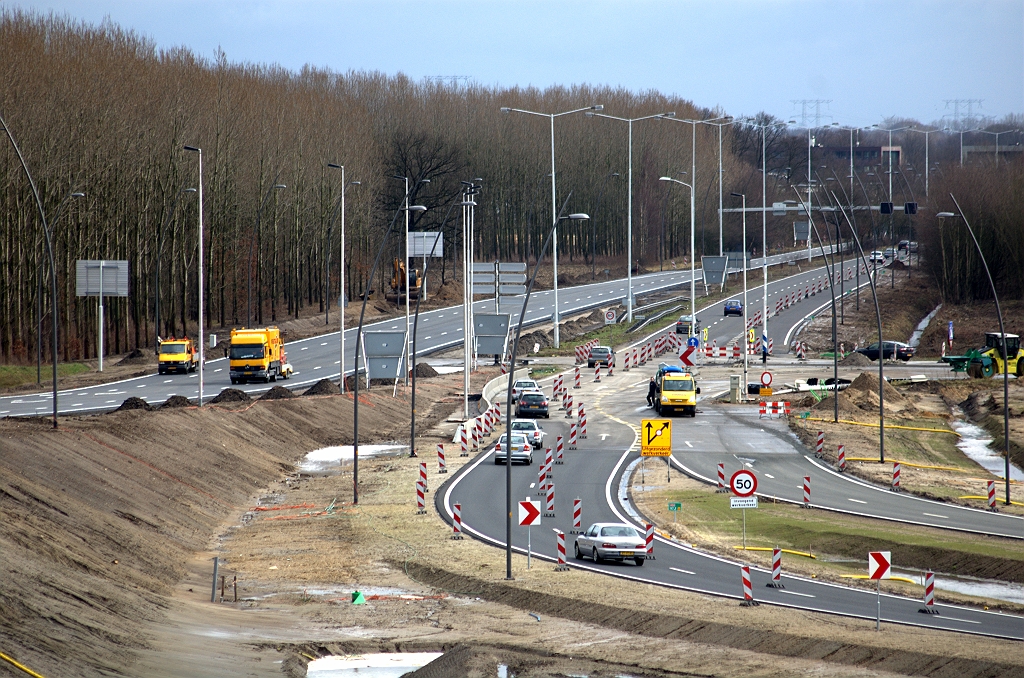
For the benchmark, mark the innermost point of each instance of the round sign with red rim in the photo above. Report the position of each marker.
(766, 379)
(743, 483)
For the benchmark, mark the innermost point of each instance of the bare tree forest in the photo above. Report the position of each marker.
(101, 111)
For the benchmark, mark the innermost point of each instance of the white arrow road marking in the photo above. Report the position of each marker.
(857, 501)
(794, 593)
(604, 435)
(676, 569)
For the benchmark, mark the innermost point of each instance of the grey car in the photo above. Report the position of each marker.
(611, 541)
(601, 355)
(522, 451)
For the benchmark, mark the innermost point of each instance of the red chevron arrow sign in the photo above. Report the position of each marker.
(686, 357)
(878, 564)
(529, 513)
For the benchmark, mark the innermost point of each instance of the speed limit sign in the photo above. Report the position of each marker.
(766, 379)
(743, 483)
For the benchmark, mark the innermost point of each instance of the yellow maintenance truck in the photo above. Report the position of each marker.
(257, 353)
(177, 355)
(675, 390)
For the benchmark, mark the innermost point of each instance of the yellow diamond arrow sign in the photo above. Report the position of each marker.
(655, 437)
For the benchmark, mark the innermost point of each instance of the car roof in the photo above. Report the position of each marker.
(615, 525)
(534, 392)
(732, 302)
(531, 422)
(677, 372)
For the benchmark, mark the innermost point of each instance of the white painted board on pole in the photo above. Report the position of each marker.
(529, 513)
(743, 502)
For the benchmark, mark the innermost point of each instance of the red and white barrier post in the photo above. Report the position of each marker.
(807, 492)
(441, 468)
(542, 474)
(463, 442)
(568, 406)
(577, 377)
(456, 521)
(597, 372)
(819, 450)
(748, 590)
(559, 443)
(895, 476)
(842, 458)
(776, 582)
(421, 502)
(577, 517)
(547, 461)
(423, 475)
(722, 487)
(583, 425)
(572, 436)
(549, 511)
(650, 541)
(929, 594)
(611, 367)
(992, 496)
(561, 567)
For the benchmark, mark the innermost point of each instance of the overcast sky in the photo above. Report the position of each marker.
(870, 59)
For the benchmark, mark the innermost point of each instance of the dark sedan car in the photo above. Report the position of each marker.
(892, 350)
(733, 307)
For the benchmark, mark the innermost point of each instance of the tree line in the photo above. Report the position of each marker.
(101, 111)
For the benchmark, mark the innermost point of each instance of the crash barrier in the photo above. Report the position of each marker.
(773, 409)
(489, 395)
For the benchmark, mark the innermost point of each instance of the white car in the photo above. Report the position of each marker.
(876, 257)
(522, 385)
(611, 541)
(531, 429)
(522, 451)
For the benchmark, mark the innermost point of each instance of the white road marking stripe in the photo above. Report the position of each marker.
(858, 501)
(769, 475)
(966, 621)
(676, 569)
(794, 593)
(936, 515)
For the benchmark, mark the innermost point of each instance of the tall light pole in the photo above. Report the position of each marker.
(728, 121)
(470, 189)
(554, 199)
(927, 165)
(629, 201)
(744, 197)
(405, 283)
(693, 298)
(1002, 333)
(996, 135)
(252, 242)
(159, 251)
(39, 294)
(341, 277)
(202, 349)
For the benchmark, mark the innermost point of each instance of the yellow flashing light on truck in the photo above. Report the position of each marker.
(177, 355)
(257, 354)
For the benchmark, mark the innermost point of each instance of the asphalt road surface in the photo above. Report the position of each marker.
(594, 473)
(318, 357)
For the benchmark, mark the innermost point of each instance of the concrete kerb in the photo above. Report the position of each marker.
(492, 389)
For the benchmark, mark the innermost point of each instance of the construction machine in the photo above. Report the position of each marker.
(989, 360)
(400, 282)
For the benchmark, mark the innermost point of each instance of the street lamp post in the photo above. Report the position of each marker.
(39, 295)
(469, 190)
(341, 277)
(728, 121)
(927, 165)
(405, 283)
(202, 359)
(693, 299)
(508, 392)
(744, 197)
(159, 251)
(996, 135)
(629, 202)
(1002, 333)
(554, 199)
(252, 242)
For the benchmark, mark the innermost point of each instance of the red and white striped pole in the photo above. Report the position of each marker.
(721, 478)
(561, 567)
(807, 492)
(580, 410)
(547, 459)
(748, 591)
(542, 474)
(583, 425)
(441, 468)
(456, 521)
(842, 458)
(992, 496)
(568, 406)
(611, 367)
(463, 441)
(572, 436)
(929, 594)
(776, 582)
(819, 450)
(597, 372)
(577, 377)
(421, 501)
(895, 476)
(550, 504)
(423, 475)
(577, 516)
(559, 443)
(650, 542)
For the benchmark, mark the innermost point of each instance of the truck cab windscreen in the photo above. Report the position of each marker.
(246, 351)
(677, 385)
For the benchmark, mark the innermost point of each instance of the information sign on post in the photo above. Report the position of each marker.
(879, 568)
(529, 515)
(609, 317)
(656, 437)
(743, 484)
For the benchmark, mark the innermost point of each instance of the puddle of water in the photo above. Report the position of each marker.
(980, 588)
(383, 665)
(330, 457)
(975, 442)
(915, 337)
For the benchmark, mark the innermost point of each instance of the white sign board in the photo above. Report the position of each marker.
(529, 513)
(879, 563)
(743, 502)
(421, 244)
(609, 317)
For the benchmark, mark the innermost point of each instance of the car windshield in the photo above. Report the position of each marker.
(600, 351)
(678, 385)
(618, 531)
(246, 351)
(523, 385)
(516, 440)
(524, 426)
(172, 347)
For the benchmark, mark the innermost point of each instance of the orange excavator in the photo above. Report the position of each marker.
(400, 282)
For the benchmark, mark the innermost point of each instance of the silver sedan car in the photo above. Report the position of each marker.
(611, 541)
(522, 451)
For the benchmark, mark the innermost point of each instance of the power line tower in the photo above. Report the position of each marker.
(969, 104)
(805, 115)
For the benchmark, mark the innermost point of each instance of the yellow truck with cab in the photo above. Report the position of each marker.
(257, 354)
(676, 390)
(177, 355)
